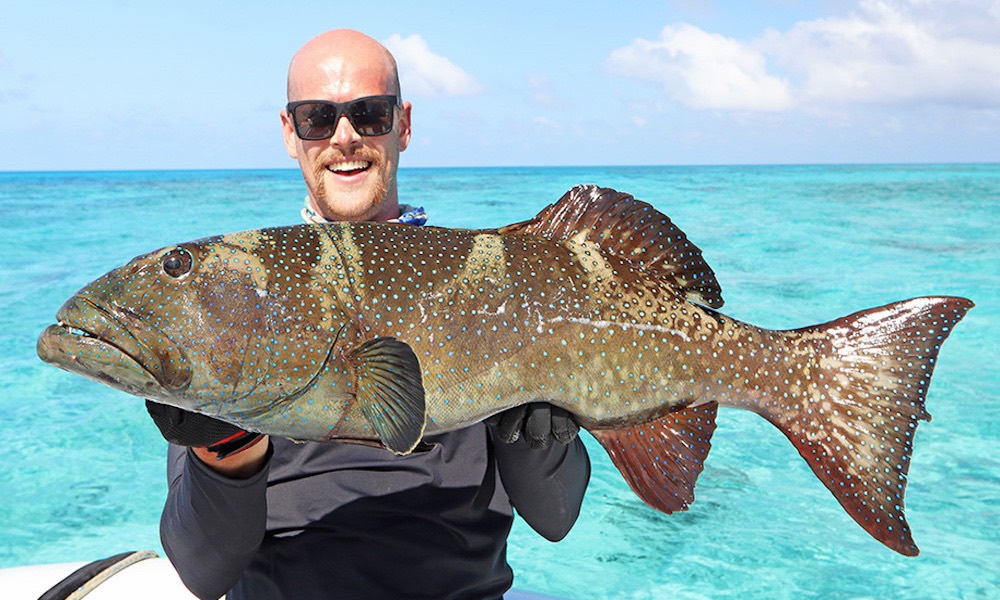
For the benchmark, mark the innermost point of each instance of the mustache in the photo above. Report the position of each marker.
(378, 163)
(367, 154)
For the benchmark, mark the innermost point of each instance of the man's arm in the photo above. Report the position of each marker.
(214, 518)
(545, 485)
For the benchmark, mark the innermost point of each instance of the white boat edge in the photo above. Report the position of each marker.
(152, 578)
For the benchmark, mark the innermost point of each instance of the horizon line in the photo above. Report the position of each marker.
(532, 167)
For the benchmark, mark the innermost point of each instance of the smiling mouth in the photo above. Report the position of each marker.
(350, 167)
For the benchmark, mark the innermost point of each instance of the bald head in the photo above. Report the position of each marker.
(335, 62)
(350, 176)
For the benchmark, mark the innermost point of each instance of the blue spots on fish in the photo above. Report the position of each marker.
(599, 304)
(849, 394)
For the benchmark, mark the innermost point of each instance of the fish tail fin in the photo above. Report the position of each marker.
(662, 458)
(855, 416)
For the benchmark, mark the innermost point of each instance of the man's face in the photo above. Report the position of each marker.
(350, 177)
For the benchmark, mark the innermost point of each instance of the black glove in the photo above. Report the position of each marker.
(192, 429)
(540, 422)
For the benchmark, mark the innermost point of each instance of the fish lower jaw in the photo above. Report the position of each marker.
(96, 357)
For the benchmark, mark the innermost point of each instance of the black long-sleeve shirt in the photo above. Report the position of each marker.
(338, 520)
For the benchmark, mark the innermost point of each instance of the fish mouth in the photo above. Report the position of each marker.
(113, 347)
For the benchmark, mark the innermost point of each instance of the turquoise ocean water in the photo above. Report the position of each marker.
(82, 474)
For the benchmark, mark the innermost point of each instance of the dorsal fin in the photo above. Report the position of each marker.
(631, 229)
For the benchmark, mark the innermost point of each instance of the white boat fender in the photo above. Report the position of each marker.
(153, 579)
(81, 582)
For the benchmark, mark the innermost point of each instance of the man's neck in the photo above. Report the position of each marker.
(410, 215)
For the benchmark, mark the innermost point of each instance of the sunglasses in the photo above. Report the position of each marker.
(317, 119)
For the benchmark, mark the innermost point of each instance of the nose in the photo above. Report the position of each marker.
(345, 136)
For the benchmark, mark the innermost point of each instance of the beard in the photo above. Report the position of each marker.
(352, 204)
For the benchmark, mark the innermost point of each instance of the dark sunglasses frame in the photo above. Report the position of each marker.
(355, 110)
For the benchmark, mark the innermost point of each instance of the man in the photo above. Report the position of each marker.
(253, 517)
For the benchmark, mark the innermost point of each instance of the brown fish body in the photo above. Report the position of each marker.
(522, 320)
(599, 305)
(531, 320)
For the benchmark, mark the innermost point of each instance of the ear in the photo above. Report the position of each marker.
(288, 132)
(404, 126)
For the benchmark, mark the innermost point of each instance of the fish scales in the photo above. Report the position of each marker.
(499, 321)
(600, 305)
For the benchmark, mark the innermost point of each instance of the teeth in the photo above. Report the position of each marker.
(74, 330)
(354, 165)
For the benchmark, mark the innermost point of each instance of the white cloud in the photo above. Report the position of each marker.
(890, 52)
(897, 52)
(546, 123)
(703, 70)
(541, 94)
(14, 85)
(424, 73)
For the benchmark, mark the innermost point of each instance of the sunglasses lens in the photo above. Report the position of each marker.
(318, 120)
(371, 116)
(315, 121)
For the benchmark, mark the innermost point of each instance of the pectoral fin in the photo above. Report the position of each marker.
(391, 392)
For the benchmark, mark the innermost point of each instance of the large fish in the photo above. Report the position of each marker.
(599, 305)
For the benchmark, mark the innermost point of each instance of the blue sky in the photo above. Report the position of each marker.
(140, 85)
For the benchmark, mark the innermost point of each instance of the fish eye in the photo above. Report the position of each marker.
(177, 262)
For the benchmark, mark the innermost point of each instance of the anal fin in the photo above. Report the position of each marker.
(661, 459)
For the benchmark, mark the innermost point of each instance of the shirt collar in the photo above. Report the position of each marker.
(409, 215)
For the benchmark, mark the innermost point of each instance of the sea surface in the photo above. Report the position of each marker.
(82, 470)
